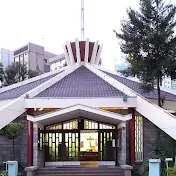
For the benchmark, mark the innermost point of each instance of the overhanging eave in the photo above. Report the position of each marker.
(91, 102)
(79, 111)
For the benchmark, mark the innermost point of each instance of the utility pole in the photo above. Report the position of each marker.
(82, 20)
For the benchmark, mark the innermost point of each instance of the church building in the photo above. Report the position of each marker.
(84, 113)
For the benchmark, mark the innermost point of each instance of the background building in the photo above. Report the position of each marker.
(6, 57)
(57, 62)
(169, 82)
(33, 56)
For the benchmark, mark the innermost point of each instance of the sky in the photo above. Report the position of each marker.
(51, 23)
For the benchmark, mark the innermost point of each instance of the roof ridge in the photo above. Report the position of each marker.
(50, 82)
(82, 83)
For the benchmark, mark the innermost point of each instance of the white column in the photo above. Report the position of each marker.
(94, 52)
(66, 55)
(77, 51)
(35, 144)
(86, 51)
(70, 53)
(97, 60)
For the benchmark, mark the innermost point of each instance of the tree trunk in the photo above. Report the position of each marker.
(159, 92)
(13, 149)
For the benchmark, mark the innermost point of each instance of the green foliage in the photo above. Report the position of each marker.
(165, 146)
(33, 73)
(148, 41)
(20, 173)
(17, 72)
(171, 171)
(14, 73)
(12, 130)
(1, 72)
(3, 173)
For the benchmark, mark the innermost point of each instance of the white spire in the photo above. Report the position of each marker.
(82, 20)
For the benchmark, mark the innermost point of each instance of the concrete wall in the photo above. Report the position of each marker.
(35, 60)
(36, 48)
(48, 55)
(6, 152)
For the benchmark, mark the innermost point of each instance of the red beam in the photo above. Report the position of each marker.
(132, 137)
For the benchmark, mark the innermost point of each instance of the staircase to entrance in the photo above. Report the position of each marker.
(80, 171)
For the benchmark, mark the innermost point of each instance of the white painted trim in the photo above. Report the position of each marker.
(70, 53)
(97, 60)
(66, 55)
(49, 83)
(78, 57)
(63, 163)
(11, 111)
(86, 51)
(127, 91)
(94, 52)
(155, 114)
(4, 102)
(92, 102)
(30, 80)
(158, 116)
(80, 107)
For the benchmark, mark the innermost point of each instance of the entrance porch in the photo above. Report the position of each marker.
(75, 137)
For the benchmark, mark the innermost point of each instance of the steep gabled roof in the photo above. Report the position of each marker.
(136, 86)
(80, 83)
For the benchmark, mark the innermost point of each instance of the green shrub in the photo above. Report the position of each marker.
(3, 173)
(171, 171)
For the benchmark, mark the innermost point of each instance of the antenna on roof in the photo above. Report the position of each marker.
(82, 20)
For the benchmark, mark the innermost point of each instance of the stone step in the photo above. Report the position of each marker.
(80, 171)
(83, 174)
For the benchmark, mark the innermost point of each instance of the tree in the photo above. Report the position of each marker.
(33, 73)
(1, 72)
(12, 131)
(14, 73)
(148, 41)
(165, 147)
(17, 72)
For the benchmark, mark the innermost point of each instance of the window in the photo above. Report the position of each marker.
(139, 138)
(54, 127)
(70, 125)
(88, 124)
(106, 126)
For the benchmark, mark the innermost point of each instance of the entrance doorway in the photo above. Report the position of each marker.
(78, 140)
(88, 145)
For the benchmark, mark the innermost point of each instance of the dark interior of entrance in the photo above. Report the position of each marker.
(78, 140)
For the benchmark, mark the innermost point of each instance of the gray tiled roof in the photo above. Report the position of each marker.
(137, 88)
(81, 83)
(18, 91)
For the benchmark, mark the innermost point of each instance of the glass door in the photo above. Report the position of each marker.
(106, 149)
(72, 145)
(52, 142)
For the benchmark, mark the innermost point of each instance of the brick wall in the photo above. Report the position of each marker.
(6, 145)
(149, 138)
